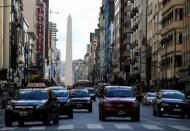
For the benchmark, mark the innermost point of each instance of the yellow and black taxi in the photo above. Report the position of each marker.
(64, 99)
(33, 103)
(81, 99)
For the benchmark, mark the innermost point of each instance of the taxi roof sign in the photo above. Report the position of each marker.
(36, 85)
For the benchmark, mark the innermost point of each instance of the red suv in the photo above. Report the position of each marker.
(119, 101)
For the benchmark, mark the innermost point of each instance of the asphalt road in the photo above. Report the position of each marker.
(83, 120)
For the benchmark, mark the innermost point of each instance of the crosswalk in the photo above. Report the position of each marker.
(101, 126)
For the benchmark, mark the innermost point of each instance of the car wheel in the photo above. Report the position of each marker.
(101, 116)
(21, 123)
(56, 120)
(8, 123)
(46, 120)
(70, 115)
(159, 113)
(136, 117)
(90, 108)
(182, 115)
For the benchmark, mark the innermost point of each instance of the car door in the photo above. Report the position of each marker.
(53, 104)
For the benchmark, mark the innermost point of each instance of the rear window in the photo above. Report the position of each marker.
(173, 95)
(32, 94)
(79, 93)
(60, 93)
(151, 95)
(119, 93)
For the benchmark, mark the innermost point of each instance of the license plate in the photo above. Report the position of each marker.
(79, 105)
(176, 109)
(121, 113)
(24, 113)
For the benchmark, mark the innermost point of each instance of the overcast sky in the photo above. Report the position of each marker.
(84, 15)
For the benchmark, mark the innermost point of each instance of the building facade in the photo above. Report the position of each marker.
(172, 49)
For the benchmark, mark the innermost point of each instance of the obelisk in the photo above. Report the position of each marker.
(68, 67)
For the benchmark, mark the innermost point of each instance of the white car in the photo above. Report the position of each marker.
(148, 98)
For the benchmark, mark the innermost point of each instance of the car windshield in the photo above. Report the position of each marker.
(60, 93)
(32, 94)
(91, 90)
(119, 93)
(173, 95)
(151, 95)
(79, 93)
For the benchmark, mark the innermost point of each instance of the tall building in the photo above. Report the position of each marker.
(11, 39)
(138, 53)
(68, 69)
(172, 47)
(184, 71)
(154, 37)
(109, 16)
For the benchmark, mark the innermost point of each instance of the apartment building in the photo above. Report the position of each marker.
(171, 44)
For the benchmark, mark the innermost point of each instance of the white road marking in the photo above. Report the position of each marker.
(123, 126)
(94, 126)
(37, 128)
(65, 127)
(152, 127)
(7, 128)
(181, 128)
(150, 121)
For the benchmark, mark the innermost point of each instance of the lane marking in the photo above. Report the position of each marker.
(123, 126)
(150, 120)
(151, 127)
(94, 126)
(65, 127)
(7, 128)
(181, 128)
(37, 128)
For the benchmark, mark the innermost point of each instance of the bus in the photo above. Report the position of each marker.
(83, 84)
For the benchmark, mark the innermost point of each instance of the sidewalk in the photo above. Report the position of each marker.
(2, 114)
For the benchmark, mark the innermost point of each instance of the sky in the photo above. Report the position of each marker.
(84, 15)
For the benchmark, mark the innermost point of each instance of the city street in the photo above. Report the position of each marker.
(83, 120)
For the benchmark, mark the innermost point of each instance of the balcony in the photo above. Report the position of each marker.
(169, 5)
(173, 25)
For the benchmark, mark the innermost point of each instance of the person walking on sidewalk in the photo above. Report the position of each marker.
(5, 96)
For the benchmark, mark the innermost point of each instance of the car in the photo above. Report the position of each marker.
(64, 99)
(32, 104)
(148, 98)
(92, 93)
(172, 102)
(81, 99)
(119, 101)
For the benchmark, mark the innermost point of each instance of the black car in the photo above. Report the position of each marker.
(92, 93)
(64, 99)
(81, 99)
(32, 105)
(171, 102)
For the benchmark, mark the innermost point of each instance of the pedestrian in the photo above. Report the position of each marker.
(5, 96)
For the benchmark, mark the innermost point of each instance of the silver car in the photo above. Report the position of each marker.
(148, 98)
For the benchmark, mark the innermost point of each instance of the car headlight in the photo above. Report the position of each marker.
(39, 107)
(107, 104)
(135, 104)
(165, 104)
(9, 107)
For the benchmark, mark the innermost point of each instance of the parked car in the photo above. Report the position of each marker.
(92, 93)
(172, 102)
(32, 105)
(119, 101)
(148, 98)
(81, 99)
(64, 99)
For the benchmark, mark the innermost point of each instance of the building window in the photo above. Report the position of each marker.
(180, 37)
(181, 14)
(178, 60)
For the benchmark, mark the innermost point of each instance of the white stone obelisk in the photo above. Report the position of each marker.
(69, 67)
